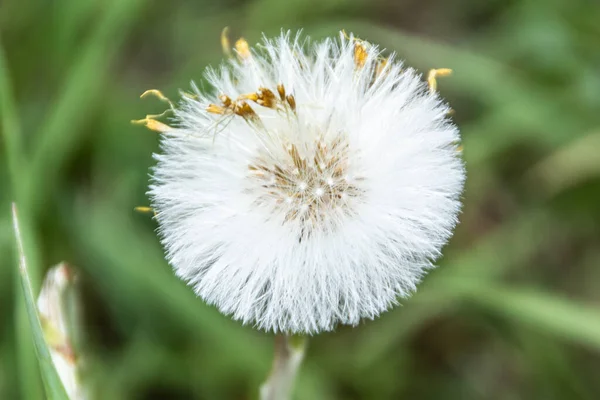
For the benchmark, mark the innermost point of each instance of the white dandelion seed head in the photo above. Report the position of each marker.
(314, 187)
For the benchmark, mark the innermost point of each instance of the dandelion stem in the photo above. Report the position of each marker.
(288, 355)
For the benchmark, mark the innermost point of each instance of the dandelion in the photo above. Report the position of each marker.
(314, 185)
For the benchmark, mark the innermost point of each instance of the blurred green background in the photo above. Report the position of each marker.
(513, 312)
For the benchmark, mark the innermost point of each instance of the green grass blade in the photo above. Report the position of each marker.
(545, 311)
(54, 387)
(28, 371)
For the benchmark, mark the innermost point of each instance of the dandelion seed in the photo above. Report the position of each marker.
(326, 196)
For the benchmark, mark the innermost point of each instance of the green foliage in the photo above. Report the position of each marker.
(512, 312)
(52, 382)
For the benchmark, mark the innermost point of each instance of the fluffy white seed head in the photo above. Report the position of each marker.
(314, 186)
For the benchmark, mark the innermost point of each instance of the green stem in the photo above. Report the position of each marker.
(288, 356)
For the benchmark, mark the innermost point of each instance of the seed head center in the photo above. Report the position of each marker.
(309, 186)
